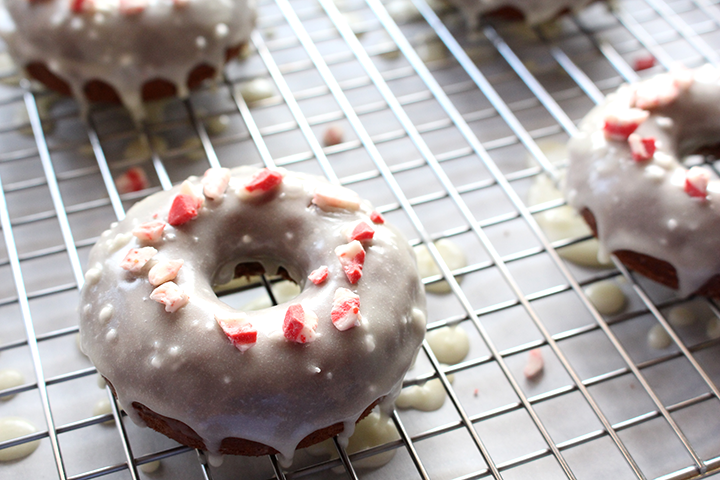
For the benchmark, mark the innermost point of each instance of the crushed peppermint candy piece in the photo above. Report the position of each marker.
(133, 180)
(183, 210)
(170, 295)
(238, 329)
(643, 63)
(331, 197)
(659, 91)
(187, 188)
(361, 231)
(682, 77)
(696, 182)
(133, 7)
(642, 148)
(345, 313)
(535, 364)
(376, 217)
(619, 126)
(164, 271)
(319, 275)
(300, 324)
(352, 258)
(264, 180)
(136, 259)
(215, 182)
(149, 232)
(77, 6)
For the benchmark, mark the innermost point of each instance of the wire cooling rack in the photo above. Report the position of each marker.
(445, 130)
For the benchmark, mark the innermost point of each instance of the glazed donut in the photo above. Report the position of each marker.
(532, 11)
(252, 383)
(124, 51)
(626, 177)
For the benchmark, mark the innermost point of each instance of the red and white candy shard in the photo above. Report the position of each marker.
(535, 364)
(215, 182)
(361, 231)
(319, 275)
(136, 259)
(656, 92)
(300, 324)
(149, 232)
(376, 217)
(133, 7)
(345, 313)
(352, 258)
(133, 180)
(164, 271)
(696, 182)
(183, 209)
(238, 329)
(642, 149)
(77, 6)
(264, 181)
(171, 295)
(187, 188)
(331, 197)
(683, 77)
(619, 126)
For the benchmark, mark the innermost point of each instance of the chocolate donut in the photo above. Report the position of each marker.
(183, 362)
(126, 51)
(627, 178)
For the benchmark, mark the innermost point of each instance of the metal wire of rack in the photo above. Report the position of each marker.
(446, 130)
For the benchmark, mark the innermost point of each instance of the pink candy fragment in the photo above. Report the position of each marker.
(149, 232)
(361, 231)
(133, 180)
(238, 329)
(195, 192)
(643, 63)
(696, 182)
(170, 295)
(215, 182)
(183, 209)
(345, 313)
(535, 364)
(136, 259)
(352, 258)
(657, 92)
(376, 217)
(319, 275)
(331, 197)
(642, 149)
(77, 6)
(300, 324)
(619, 126)
(264, 180)
(133, 7)
(164, 271)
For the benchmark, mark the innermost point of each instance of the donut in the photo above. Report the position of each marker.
(183, 362)
(627, 178)
(124, 51)
(532, 11)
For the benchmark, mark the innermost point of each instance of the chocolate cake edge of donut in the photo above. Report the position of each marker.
(185, 435)
(653, 268)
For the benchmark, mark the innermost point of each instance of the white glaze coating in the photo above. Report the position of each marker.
(642, 206)
(183, 366)
(535, 11)
(166, 40)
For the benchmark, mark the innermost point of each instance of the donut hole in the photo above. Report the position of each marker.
(248, 291)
